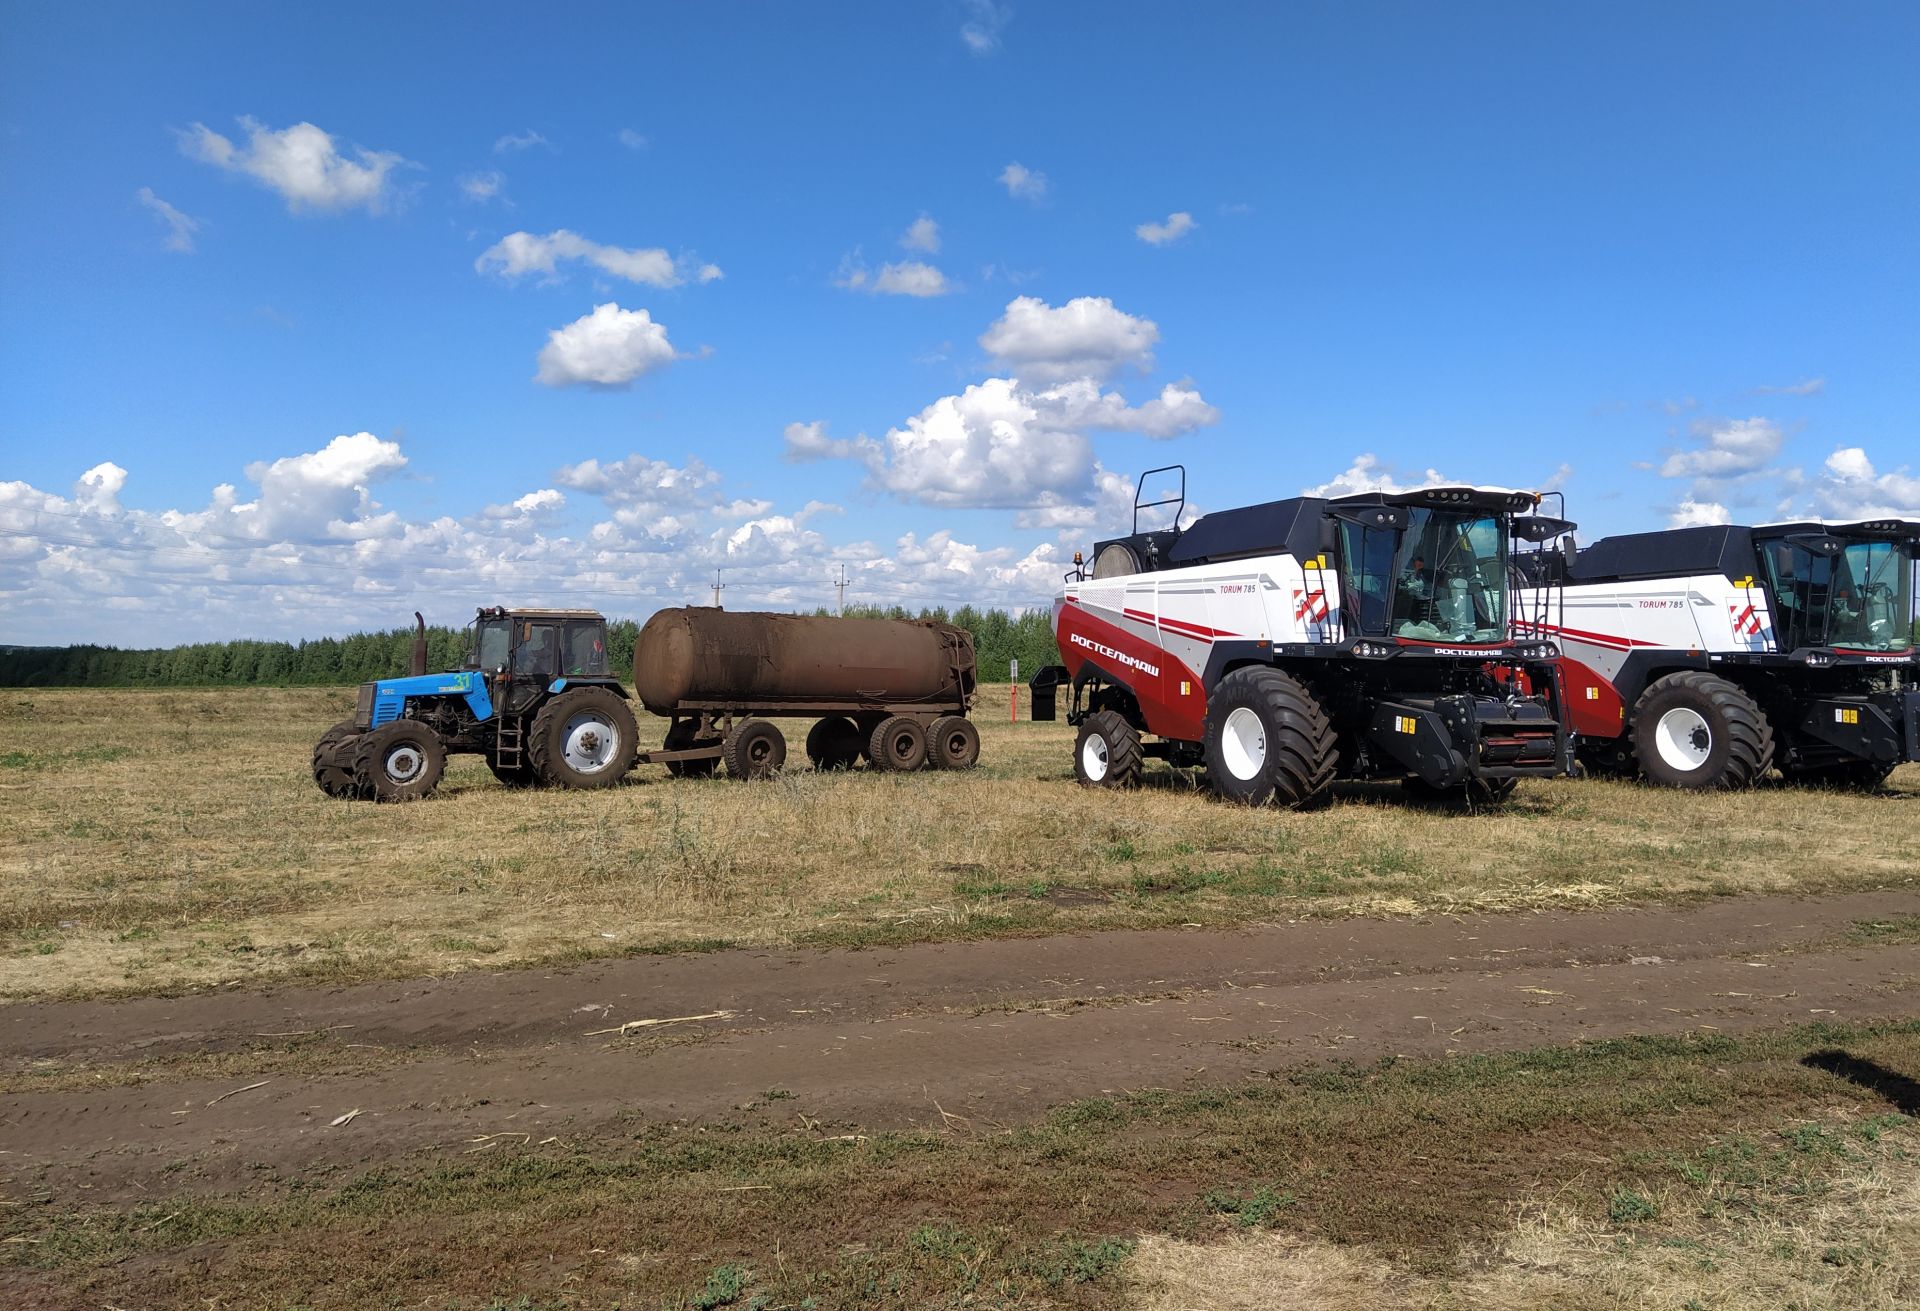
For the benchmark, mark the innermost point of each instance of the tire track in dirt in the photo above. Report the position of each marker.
(960, 1037)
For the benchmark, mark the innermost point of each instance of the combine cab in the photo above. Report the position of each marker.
(534, 696)
(1703, 657)
(1288, 644)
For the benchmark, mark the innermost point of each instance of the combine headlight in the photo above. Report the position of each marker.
(1372, 650)
(1818, 658)
(1538, 651)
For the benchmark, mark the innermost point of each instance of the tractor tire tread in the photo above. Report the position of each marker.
(541, 750)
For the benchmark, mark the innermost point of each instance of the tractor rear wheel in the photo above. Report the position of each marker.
(1695, 730)
(953, 743)
(1107, 752)
(756, 748)
(583, 738)
(899, 744)
(333, 778)
(834, 743)
(1268, 740)
(1849, 775)
(401, 761)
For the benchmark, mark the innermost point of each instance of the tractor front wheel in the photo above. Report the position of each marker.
(1107, 752)
(583, 738)
(401, 761)
(1268, 740)
(333, 778)
(1694, 730)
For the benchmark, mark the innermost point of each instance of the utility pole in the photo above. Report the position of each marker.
(718, 587)
(840, 590)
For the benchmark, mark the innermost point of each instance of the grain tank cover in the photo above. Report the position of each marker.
(699, 656)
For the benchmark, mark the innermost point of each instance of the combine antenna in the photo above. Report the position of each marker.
(840, 592)
(718, 587)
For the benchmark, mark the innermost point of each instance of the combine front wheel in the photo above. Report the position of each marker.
(583, 738)
(1107, 753)
(401, 761)
(1693, 730)
(1268, 740)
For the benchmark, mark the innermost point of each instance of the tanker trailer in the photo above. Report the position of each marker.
(893, 692)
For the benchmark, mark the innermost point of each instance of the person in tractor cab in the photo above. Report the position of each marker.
(535, 653)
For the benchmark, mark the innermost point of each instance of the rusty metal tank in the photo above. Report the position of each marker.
(697, 654)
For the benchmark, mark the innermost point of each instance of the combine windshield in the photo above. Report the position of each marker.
(1443, 578)
(1860, 597)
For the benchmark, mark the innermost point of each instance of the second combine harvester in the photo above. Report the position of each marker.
(1288, 644)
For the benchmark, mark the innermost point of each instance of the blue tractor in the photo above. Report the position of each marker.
(535, 696)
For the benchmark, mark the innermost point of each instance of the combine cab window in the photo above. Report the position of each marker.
(1441, 579)
(586, 651)
(1860, 597)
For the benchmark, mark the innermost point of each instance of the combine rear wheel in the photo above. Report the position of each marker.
(333, 778)
(1694, 730)
(1850, 775)
(953, 743)
(1107, 752)
(835, 743)
(755, 749)
(401, 761)
(898, 743)
(583, 738)
(1268, 740)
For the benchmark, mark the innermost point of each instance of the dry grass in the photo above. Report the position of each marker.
(166, 839)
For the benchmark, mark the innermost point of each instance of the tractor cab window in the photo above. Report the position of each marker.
(536, 654)
(1860, 596)
(586, 654)
(492, 642)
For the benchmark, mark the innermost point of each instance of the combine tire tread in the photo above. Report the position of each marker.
(1124, 760)
(1734, 720)
(1302, 751)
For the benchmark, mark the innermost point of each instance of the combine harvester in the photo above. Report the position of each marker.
(1285, 645)
(536, 697)
(1703, 657)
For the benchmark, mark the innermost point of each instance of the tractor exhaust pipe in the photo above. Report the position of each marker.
(419, 645)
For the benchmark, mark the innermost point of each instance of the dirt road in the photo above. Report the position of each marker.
(955, 1037)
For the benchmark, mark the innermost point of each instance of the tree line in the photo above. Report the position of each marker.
(998, 637)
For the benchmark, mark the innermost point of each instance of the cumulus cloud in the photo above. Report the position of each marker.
(98, 489)
(986, 19)
(1850, 487)
(1368, 473)
(923, 235)
(608, 348)
(906, 278)
(1698, 514)
(1177, 226)
(1023, 183)
(1728, 448)
(542, 504)
(323, 493)
(517, 254)
(1086, 337)
(515, 142)
(302, 163)
(484, 186)
(180, 228)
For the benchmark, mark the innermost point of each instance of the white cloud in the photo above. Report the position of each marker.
(1178, 225)
(1850, 487)
(1698, 514)
(302, 164)
(1728, 448)
(906, 278)
(323, 493)
(608, 348)
(180, 228)
(514, 142)
(1024, 183)
(98, 489)
(1810, 387)
(483, 186)
(1086, 337)
(520, 253)
(1368, 473)
(986, 19)
(632, 140)
(542, 504)
(923, 234)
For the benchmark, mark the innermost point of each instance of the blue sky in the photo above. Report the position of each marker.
(1661, 256)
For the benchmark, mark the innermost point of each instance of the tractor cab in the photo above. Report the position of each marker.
(1841, 587)
(524, 652)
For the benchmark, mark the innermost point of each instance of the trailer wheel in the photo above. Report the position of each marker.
(333, 778)
(953, 743)
(401, 761)
(1694, 730)
(1107, 752)
(834, 743)
(898, 743)
(755, 749)
(684, 735)
(583, 738)
(1849, 775)
(1268, 740)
